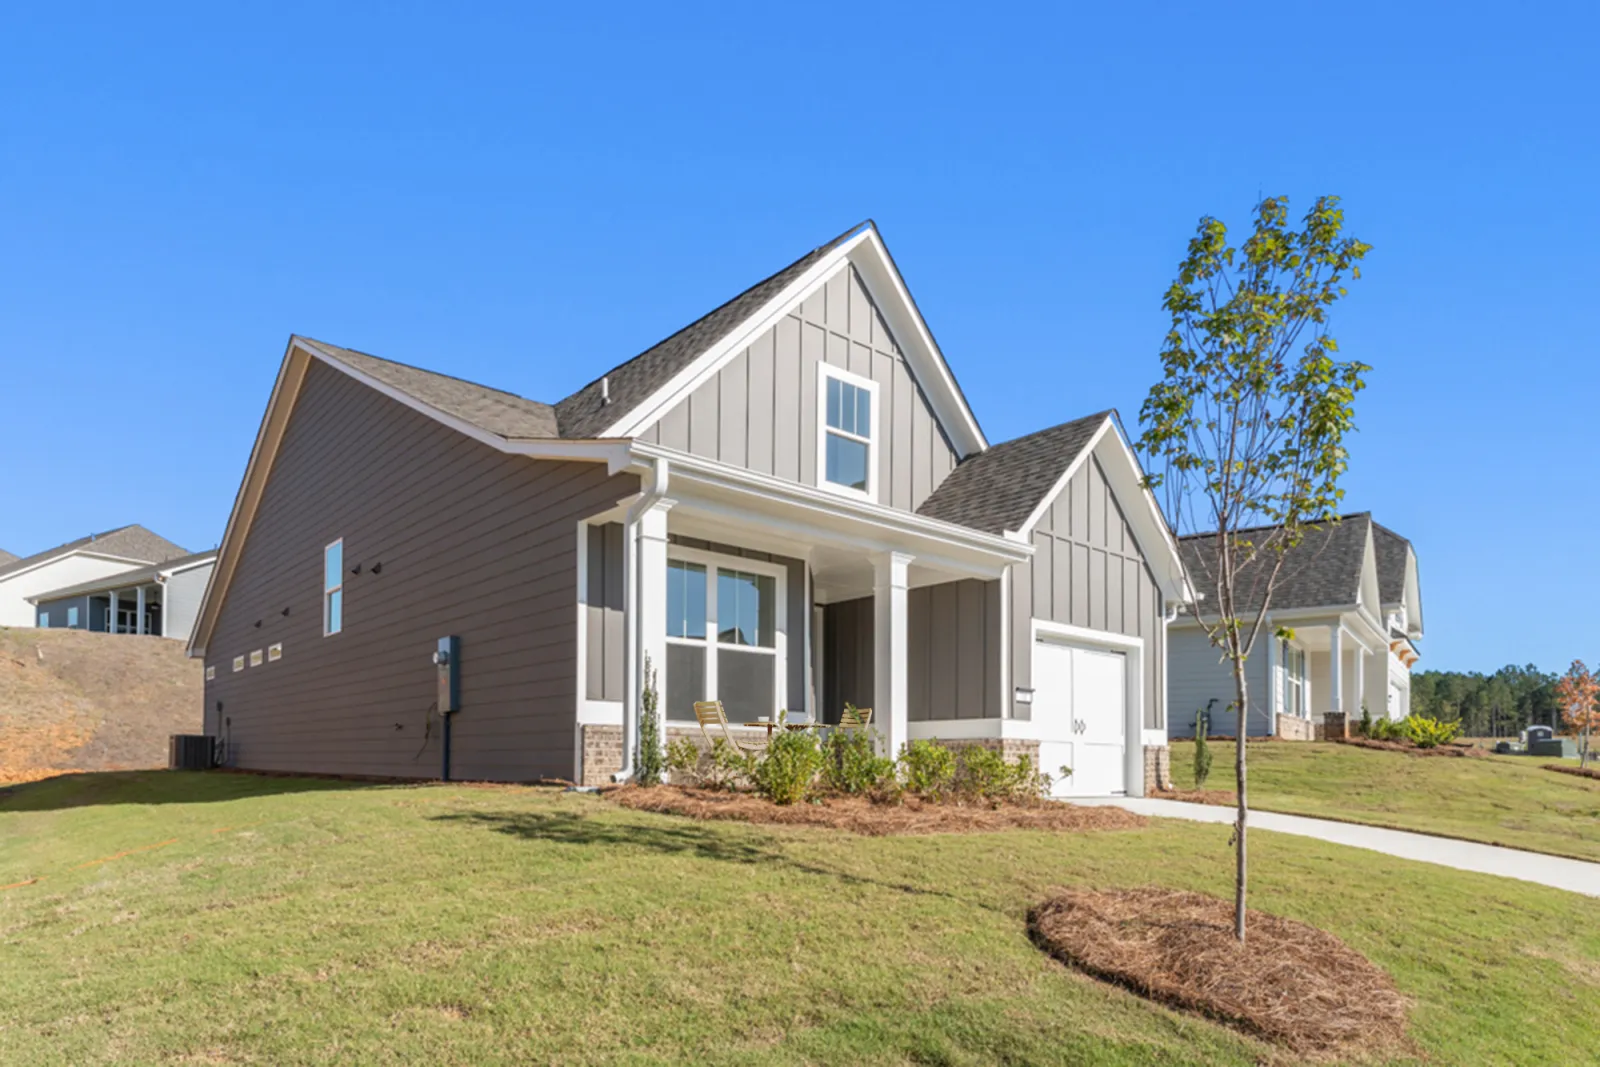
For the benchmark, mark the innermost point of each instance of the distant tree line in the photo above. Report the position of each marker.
(1487, 705)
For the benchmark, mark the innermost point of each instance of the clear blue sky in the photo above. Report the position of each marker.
(528, 200)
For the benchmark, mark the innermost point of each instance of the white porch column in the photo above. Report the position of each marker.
(652, 615)
(1336, 669)
(111, 614)
(1361, 676)
(889, 641)
(138, 613)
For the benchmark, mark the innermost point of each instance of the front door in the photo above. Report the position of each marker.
(1080, 710)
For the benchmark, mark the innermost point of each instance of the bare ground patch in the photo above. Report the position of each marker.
(1289, 983)
(873, 819)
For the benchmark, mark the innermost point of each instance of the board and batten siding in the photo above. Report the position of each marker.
(953, 651)
(1088, 570)
(472, 542)
(760, 411)
(848, 658)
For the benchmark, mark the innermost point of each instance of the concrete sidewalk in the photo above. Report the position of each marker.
(1554, 871)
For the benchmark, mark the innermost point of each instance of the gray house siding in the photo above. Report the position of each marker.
(472, 542)
(57, 610)
(760, 411)
(181, 598)
(1087, 570)
(953, 654)
(1198, 677)
(605, 611)
(848, 677)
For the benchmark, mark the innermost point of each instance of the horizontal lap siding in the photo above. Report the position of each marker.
(760, 411)
(472, 542)
(1087, 570)
(1200, 676)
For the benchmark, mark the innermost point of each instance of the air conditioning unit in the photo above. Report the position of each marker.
(191, 752)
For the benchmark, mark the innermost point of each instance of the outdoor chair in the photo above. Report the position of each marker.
(855, 718)
(710, 713)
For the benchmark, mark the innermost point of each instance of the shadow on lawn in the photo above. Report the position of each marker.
(97, 788)
(702, 842)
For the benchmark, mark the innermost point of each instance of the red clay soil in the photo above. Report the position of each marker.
(1289, 983)
(1581, 772)
(71, 700)
(1460, 751)
(861, 816)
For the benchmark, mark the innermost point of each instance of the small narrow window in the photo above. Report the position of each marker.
(238, 664)
(848, 409)
(333, 588)
(211, 674)
(72, 618)
(256, 658)
(275, 652)
(44, 620)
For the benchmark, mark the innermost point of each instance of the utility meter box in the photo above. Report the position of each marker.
(447, 662)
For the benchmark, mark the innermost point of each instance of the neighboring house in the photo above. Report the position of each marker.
(1350, 594)
(8, 558)
(786, 505)
(161, 599)
(89, 558)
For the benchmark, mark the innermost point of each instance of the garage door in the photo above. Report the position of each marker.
(1080, 711)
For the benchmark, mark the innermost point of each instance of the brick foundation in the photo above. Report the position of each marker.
(1157, 768)
(1294, 728)
(1333, 727)
(1009, 747)
(602, 754)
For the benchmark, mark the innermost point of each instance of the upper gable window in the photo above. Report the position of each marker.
(847, 437)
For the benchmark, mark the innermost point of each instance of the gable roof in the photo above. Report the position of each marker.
(632, 383)
(999, 489)
(1323, 570)
(125, 542)
(1392, 550)
(7, 557)
(127, 578)
(494, 410)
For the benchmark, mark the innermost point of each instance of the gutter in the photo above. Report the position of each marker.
(656, 479)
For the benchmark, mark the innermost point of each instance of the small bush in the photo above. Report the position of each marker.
(648, 761)
(1386, 730)
(1366, 720)
(928, 769)
(985, 774)
(851, 764)
(787, 771)
(1202, 754)
(683, 760)
(1428, 733)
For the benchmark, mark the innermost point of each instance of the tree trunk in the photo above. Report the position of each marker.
(1242, 732)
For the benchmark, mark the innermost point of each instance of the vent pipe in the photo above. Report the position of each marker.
(605, 391)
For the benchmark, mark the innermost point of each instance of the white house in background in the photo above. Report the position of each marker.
(101, 555)
(160, 600)
(1350, 594)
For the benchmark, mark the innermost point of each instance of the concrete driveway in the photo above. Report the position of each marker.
(1554, 871)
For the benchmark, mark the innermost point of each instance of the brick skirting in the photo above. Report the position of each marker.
(1157, 768)
(1294, 728)
(602, 754)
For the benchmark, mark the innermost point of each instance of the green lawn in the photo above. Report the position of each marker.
(252, 920)
(1504, 800)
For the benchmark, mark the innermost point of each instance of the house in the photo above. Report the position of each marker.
(1349, 592)
(161, 599)
(101, 555)
(786, 505)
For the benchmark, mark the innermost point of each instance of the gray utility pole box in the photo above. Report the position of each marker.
(447, 661)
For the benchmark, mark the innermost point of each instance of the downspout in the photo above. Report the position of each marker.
(655, 487)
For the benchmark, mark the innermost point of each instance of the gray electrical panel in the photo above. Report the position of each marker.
(447, 661)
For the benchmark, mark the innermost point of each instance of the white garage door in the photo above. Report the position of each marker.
(1080, 710)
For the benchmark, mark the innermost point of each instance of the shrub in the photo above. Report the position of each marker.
(985, 774)
(785, 773)
(648, 761)
(1202, 754)
(929, 769)
(852, 765)
(1366, 720)
(1428, 733)
(1386, 730)
(683, 760)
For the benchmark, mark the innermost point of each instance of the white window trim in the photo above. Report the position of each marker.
(874, 443)
(714, 561)
(327, 593)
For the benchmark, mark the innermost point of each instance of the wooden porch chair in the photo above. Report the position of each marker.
(709, 713)
(855, 718)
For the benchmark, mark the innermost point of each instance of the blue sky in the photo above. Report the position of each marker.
(527, 200)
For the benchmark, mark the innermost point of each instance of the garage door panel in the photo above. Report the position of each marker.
(1080, 707)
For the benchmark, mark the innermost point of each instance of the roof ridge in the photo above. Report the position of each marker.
(1277, 526)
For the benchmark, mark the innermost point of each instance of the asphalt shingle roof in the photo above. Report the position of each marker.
(128, 542)
(7, 557)
(1323, 570)
(494, 410)
(117, 581)
(1392, 550)
(997, 490)
(583, 415)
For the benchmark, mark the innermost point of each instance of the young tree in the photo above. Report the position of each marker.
(1245, 431)
(1578, 694)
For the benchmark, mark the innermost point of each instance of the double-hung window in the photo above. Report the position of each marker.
(1294, 681)
(722, 638)
(847, 444)
(333, 588)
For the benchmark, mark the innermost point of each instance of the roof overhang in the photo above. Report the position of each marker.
(876, 268)
(138, 576)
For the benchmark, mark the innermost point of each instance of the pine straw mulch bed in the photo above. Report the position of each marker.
(1290, 984)
(1452, 749)
(873, 819)
(1225, 798)
(1581, 772)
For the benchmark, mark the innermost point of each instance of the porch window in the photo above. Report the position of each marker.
(740, 667)
(72, 618)
(333, 588)
(1294, 679)
(849, 407)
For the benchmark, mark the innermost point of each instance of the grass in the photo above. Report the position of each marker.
(1504, 800)
(229, 919)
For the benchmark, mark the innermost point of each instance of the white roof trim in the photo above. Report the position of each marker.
(866, 252)
(81, 550)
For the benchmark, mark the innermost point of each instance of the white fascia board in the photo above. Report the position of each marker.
(208, 561)
(889, 521)
(1063, 481)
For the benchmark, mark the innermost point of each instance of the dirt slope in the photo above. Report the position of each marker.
(77, 701)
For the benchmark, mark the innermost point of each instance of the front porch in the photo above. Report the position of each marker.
(1333, 669)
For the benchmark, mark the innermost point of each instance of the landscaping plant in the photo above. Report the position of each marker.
(1202, 752)
(787, 771)
(649, 760)
(985, 775)
(1246, 429)
(851, 764)
(928, 769)
(1428, 733)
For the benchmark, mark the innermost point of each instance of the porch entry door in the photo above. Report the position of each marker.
(723, 637)
(1080, 708)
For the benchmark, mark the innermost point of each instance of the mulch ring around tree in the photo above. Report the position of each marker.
(873, 819)
(1458, 750)
(1291, 984)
